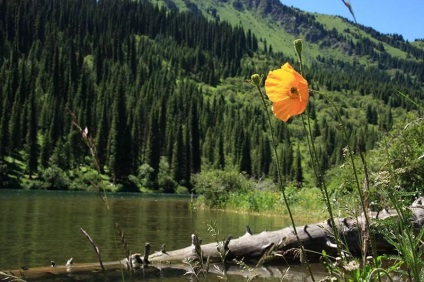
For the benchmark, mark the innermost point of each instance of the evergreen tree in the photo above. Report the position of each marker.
(45, 150)
(119, 136)
(220, 158)
(4, 136)
(15, 128)
(31, 137)
(246, 159)
(101, 138)
(153, 147)
(195, 140)
(265, 156)
(299, 170)
(287, 160)
(179, 158)
(188, 157)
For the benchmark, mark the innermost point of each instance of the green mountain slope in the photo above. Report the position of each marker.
(331, 36)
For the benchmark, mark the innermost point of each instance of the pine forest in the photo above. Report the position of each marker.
(161, 96)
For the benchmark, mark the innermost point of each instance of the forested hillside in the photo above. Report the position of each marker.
(277, 25)
(164, 94)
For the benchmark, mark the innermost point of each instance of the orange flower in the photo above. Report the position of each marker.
(288, 91)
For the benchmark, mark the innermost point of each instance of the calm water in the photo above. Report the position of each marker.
(37, 227)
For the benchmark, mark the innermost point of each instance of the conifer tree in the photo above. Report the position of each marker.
(299, 169)
(153, 147)
(188, 157)
(31, 137)
(246, 158)
(179, 158)
(4, 121)
(265, 156)
(195, 139)
(101, 138)
(45, 150)
(287, 160)
(16, 113)
(220, 158)
(118, 137)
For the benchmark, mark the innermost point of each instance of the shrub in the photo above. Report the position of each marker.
(165, 181)
(216, 186)
(54, 178)
(145, 175)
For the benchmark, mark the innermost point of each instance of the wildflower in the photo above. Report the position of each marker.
(288, 91)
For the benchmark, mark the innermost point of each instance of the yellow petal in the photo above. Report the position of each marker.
(285, 109)
(278, 83)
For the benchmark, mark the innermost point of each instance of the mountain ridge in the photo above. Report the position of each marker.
(278, 25)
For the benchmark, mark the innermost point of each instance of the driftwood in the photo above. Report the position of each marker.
(249, 248)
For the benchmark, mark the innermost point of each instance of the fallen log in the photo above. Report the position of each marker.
(248, 248)
(314, 237)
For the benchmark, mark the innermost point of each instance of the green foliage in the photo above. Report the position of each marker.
(254, 201)
(405, 151)
(408, 243)
(144, 176)
(54, 178)
(216, 186)
(165, 181)
(396, 164)
(234, 191)
(349, 269)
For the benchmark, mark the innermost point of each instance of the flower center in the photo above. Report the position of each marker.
(294, 93)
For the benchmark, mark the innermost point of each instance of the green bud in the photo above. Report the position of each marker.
(298, 47)
(255, 79)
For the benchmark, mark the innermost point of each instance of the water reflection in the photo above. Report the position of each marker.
(37, 227)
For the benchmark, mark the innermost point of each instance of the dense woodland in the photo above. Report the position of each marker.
(164, 95)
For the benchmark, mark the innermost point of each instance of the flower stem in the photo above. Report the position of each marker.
(280, 181)
(318, 173)
(345, 135)
(321, 182)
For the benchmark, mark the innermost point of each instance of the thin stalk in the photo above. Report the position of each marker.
(89, 141)
(355, 171)
(373, 247)
(350, 8)
(280, 180)
(362, 198)
(410, 100)
(318, 174)
(321, 182)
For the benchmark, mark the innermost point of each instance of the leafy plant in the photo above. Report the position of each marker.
(407, 241)
(349, 269)
(198, 265)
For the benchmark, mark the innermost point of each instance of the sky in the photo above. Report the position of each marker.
(405, 17)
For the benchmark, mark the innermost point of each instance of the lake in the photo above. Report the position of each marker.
(37, 227)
